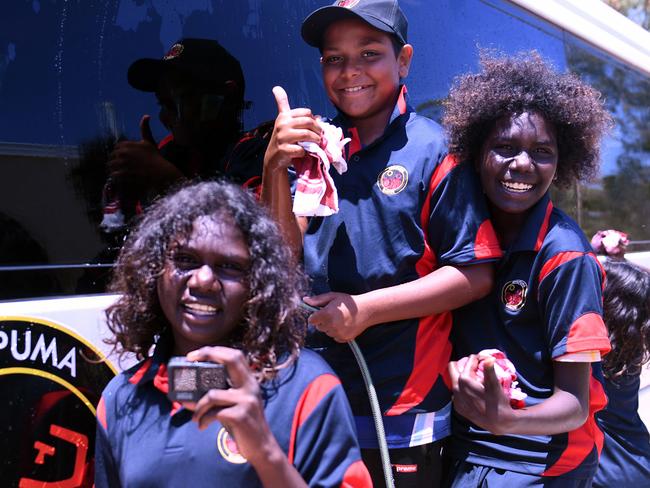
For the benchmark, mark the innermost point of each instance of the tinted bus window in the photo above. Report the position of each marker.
(65, 100)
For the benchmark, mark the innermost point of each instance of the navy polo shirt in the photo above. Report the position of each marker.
(144, 440)
(404, 211)
(546, 302)
(625, 458)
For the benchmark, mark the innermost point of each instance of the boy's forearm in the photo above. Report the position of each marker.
(276, 195)
(565, 410)
(442, 290)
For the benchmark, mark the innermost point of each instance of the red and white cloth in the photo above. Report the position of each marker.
(505, 371)
(315, 193)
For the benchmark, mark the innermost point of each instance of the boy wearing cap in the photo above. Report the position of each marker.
(199, 86)
(395, 259)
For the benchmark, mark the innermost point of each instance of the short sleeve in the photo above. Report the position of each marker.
(323, 445)
(570, 300)
(455, 216)
(106, 472)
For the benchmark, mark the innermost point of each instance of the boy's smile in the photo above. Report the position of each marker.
(361, 72)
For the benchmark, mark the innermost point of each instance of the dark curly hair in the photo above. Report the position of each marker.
(273, 326)
(512, 85)
(626, 302)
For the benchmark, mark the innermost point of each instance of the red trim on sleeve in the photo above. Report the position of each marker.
(544, 228)
(432, 353)
(309, 400)
(486, 245)
(588, 333)
(556, 261)
(135, 379)
(357, 476)
(582, 441)
(101, 413)
(401, 100)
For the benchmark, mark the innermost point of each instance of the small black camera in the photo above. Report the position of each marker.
(190, 380)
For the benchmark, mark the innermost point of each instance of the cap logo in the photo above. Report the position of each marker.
(228, 448)
(347, 3)
(514, 294)
(175, 51)
(393, 179)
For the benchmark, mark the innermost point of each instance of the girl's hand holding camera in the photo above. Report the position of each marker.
(239, 408)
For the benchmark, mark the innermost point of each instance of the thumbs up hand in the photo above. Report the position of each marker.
(291, 126)
(138, 166)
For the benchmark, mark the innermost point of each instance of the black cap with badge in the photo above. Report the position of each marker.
(203, 59)
(384, 15)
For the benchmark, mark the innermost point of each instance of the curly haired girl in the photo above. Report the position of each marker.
(205, 275)
(625, 458)
(524, 126)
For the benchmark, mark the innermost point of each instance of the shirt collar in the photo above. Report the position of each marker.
(401, 108)
(535, 228)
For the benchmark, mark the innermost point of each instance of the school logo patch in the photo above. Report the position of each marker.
(393, 179)
(513, 294)
(347, 3)
(175, 51)
(228, 448)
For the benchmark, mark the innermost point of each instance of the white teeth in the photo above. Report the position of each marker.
(201, 308)
(516, 187)
(353, 89)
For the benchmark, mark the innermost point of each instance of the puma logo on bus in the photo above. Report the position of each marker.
(38, 351)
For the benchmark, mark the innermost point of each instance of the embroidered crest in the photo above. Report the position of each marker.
(347, 3)
(393, 179)
(228, 448)
(513, 294)
(175, 51)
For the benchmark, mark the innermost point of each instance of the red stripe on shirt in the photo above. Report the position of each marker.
(356, 476)
(603, 275)
(101, 413)
(355, 143)
(428, 261)
(588, 333)
(135, 379)
(486, 244)
(166, 140)
(558, 260)
(401, 100)
(309, 400)
(432, 353)
(544, 228)
(582, 441)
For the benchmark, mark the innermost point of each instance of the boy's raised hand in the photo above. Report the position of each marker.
(291, 126)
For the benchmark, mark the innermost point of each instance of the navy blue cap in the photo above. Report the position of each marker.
(384, 15)
(202, 59)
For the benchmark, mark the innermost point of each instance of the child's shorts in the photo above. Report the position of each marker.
(466, 475)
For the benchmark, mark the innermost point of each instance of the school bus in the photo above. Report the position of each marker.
(65, 100)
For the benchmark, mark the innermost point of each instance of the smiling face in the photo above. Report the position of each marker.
(361, 72)
(518, 162)
(203, 286)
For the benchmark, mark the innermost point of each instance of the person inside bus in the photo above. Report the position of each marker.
(525, 126)
(625, 458)
(411, 239)
(200, 87)
(205, 275)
